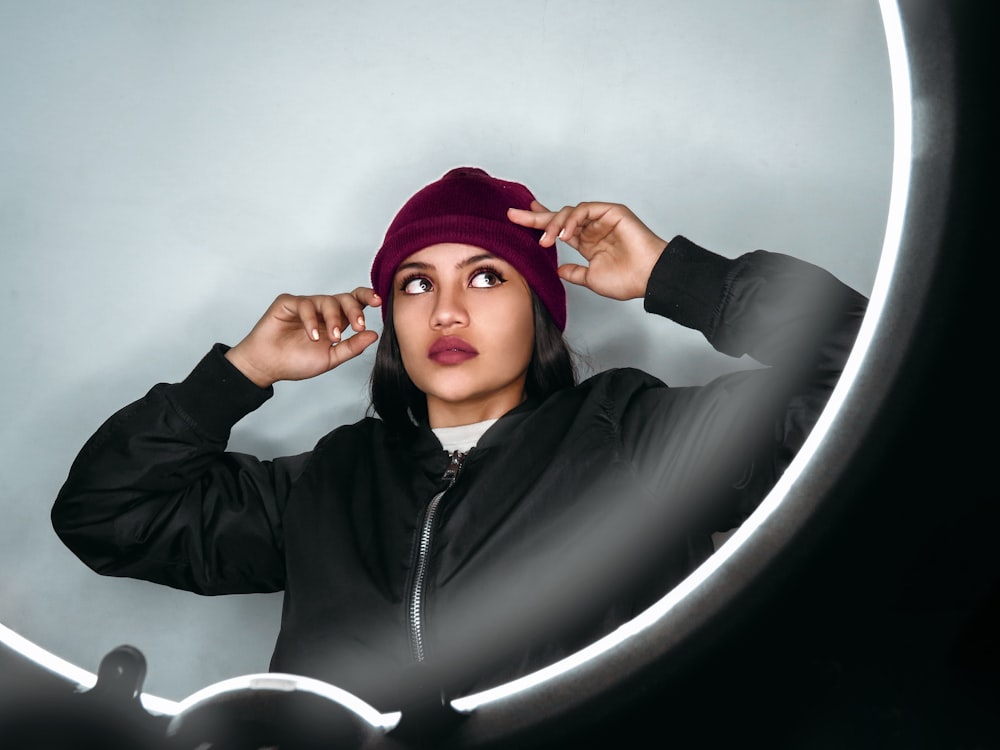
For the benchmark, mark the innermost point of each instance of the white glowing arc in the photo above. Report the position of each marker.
(281, 682)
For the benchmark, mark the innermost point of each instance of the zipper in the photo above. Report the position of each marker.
(423, 546)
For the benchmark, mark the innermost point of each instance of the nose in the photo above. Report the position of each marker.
(449, 309)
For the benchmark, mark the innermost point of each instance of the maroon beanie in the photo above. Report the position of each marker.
(469, 207)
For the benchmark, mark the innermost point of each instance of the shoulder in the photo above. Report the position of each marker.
(360, 434)
(619, 383)
(607, 394)
(370, 436)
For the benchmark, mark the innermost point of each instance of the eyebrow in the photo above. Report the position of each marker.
(421, 266)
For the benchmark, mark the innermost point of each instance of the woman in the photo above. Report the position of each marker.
(494, 516)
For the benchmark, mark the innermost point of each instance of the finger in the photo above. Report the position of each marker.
(550, 222)
(333, 316)
(305, 311)
(353, 311)
(580, 218)
(350, 348)
(529, 217)
(588, 226)
(565, 224)
(367, 296)
(573, 273)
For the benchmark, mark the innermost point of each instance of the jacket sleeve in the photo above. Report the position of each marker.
(734, 436)
(154, 495)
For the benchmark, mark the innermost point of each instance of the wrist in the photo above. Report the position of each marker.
(238, 359)
(654, 253)
(687, 284)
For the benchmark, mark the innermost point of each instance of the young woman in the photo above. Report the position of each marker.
(492, 515)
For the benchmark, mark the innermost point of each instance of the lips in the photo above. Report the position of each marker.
(451, 350)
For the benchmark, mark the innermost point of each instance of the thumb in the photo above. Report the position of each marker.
(573, 273)
(350, 348)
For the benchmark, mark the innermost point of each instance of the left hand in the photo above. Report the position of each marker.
(620, 250)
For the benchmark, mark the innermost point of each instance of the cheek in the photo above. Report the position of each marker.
(406, 333)
(518, 332)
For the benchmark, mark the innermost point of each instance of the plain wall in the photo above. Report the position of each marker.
(166, 169)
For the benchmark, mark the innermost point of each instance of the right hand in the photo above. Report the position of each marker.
(619, 249)
(300, 337)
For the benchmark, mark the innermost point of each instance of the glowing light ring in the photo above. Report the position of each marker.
(902, 148)
(277, 681)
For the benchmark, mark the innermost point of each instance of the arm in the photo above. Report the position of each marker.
(154, 494)
(747, 426)
(739, 432)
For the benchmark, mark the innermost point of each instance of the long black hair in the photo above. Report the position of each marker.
(399, 402)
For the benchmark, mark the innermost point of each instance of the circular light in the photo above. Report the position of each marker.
(547, 694)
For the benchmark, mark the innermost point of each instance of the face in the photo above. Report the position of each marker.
(464, 321)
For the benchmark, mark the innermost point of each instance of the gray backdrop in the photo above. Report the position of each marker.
(166, 169)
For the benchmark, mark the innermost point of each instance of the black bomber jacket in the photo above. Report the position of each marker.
(567, 519)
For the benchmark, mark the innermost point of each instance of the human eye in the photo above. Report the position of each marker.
(415, 284)
(484, 278)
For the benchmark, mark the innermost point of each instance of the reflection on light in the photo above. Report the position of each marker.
(47, 659)
(83, 679)
(902, 153)
(277, 681)
(902, 147)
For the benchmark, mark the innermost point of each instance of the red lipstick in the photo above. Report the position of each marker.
(451, 350)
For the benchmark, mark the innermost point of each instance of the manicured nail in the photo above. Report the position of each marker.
(336, 335)
(361, 321)
(315, 335)
(561, 233)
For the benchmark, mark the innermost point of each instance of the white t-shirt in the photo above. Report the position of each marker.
(462, 438)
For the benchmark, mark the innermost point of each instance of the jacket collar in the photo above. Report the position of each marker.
(424, 442)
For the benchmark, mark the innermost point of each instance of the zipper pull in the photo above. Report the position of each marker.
(454, 466)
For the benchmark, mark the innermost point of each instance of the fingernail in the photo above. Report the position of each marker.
(561, 232)
(361, 321)
(315, 335)
(544, 237)
(336, 335)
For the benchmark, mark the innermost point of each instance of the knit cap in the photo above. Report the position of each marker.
(469, 207)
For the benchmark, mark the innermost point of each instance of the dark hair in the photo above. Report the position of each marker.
(395, 398)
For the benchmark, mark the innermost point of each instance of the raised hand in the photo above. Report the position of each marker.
(300, 337)
(619, 249)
